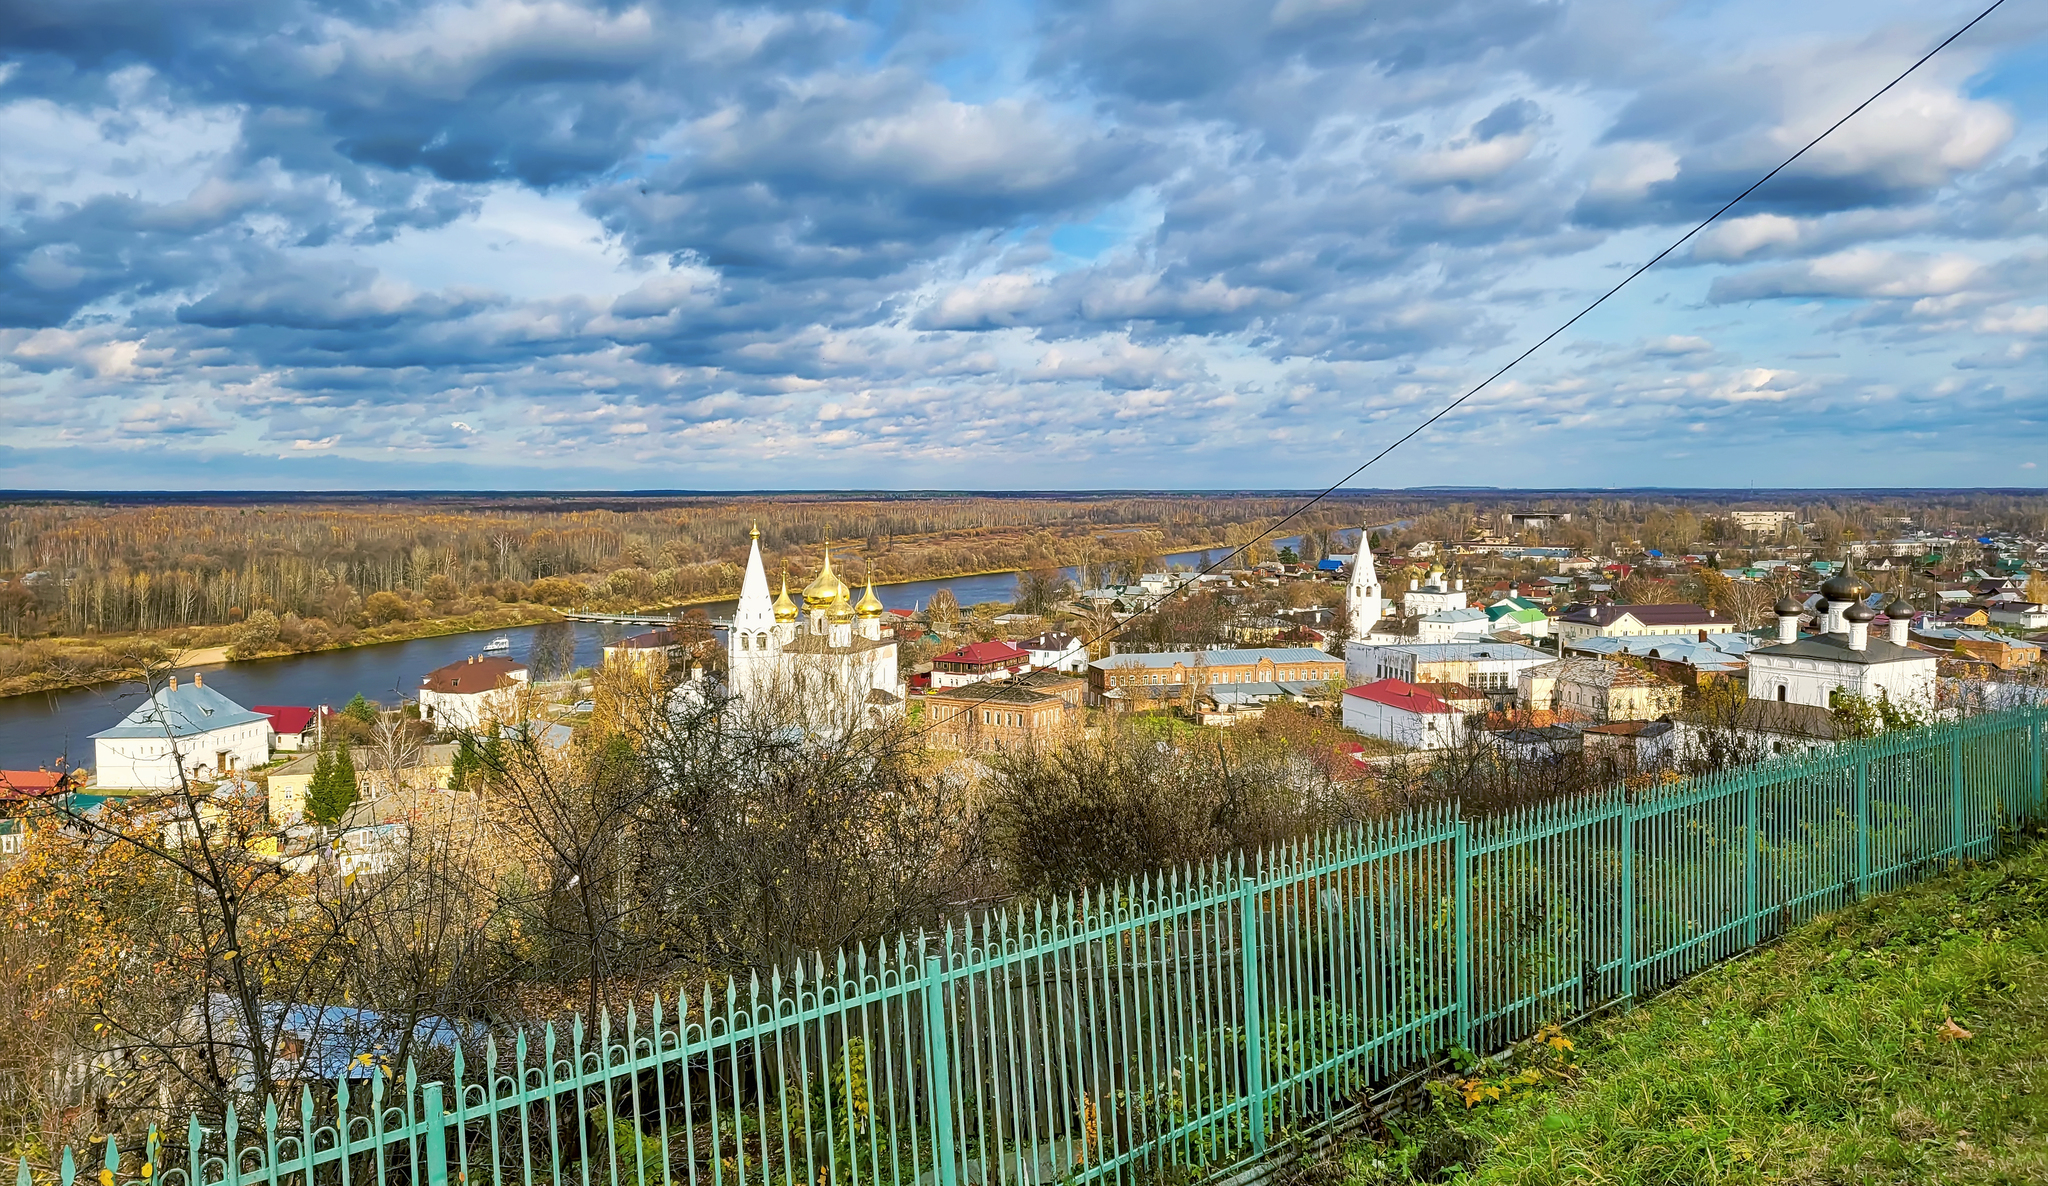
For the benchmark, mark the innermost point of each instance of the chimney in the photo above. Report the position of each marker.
(174, 683)
(198, 679)
(1703, 636)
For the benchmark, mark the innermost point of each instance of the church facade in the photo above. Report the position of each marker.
(826, 666)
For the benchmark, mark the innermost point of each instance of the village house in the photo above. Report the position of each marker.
(650, 652)
(1056, 650)
(467, 694)
(1599, 690)
(978, 661)
(1404, 714)
(1071, 688)
(189, 729)
(995, 715)
(427, 767)
(1490, 667)
(1138, 681)
(1617, 621)
(2002, 651)
(289, 725)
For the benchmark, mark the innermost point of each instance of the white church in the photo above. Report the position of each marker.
(1843, 656)
(828, 665)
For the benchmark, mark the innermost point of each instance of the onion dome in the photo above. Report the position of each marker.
(823, 591)
(1858, 613)
(1788, 606)
(785, 609)
(870, 606)
(1899, 610)
(1844, 586)
(842, 609)
(754, 531)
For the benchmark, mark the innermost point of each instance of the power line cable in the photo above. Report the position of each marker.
(1453, 406)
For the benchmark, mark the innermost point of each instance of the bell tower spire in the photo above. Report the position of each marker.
(1362, 601)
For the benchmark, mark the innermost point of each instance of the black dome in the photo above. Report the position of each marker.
(1899, 608)
(1787, 606)
(1858, 613)
(1844, 586)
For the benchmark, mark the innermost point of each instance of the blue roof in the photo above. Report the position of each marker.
(1219, 658)
(1330, 564)
(188, 710)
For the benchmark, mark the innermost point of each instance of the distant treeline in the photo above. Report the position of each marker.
(74, 569)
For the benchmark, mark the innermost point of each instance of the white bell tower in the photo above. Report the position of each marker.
(753, 641)
(1362, 601)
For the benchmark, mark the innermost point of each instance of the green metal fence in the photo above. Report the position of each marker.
(1165, 1030)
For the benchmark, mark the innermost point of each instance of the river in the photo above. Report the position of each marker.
(45, 727)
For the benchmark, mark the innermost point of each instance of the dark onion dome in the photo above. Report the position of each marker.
(1858, 613)
(1844, 586)
(1899, 608)
(1788, 606)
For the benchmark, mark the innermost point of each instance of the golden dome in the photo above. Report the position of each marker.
(842, 609)
(785, 609)
(870, 606)
(827, 588)
(754, 531)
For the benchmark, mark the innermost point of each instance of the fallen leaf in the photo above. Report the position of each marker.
(1949, 1031)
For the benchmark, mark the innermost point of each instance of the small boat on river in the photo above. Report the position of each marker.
(498, 646)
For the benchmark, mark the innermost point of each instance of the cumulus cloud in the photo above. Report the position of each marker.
(1094, 236)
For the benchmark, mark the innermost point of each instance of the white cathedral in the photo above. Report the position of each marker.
(827, 665)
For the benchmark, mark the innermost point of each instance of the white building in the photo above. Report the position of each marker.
(829, 666)
(190, 728)
(1843, 657)
(1056, 650)
(1454, 625)
(1484, 666)
(472, 693)
(1628, 621)
(1364, 604)
(1404, 714)
(1434, 595)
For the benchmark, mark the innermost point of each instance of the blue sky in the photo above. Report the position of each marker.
(596, 243)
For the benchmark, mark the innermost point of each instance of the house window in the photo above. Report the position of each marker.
(1781, 691)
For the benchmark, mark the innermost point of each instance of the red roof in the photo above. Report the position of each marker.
(1399, 694)
(23, 784)
(984, 652)
(286, 718)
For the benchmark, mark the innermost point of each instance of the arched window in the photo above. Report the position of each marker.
(743, 642)
(1781, 691)
(761, 641)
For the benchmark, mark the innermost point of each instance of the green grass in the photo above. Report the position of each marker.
(1820, 1059)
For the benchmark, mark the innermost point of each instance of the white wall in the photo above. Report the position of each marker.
(1909, 684)
(1398, 725)
(151, 763)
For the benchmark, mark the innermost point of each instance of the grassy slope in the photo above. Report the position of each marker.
(1820, 1059)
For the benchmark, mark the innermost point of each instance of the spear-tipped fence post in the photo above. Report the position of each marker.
(946, 1170)
(1254, 1020)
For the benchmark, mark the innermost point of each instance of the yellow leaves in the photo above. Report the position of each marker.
(106, 1177)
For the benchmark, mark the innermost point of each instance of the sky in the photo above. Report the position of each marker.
(340, 244)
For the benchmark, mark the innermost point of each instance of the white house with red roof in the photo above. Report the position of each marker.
(1403, 713)
(289, 724)
(978, 661)
(470, 693)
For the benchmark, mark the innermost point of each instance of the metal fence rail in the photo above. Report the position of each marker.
(1163, 1030)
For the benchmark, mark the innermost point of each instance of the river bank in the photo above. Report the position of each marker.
(69, 664)
(76, 663)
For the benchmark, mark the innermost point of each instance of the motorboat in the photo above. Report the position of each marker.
(498, 646)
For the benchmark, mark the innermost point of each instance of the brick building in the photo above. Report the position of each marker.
(995, 715)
